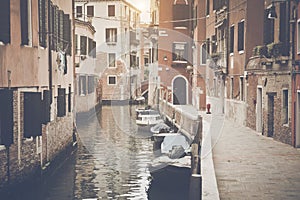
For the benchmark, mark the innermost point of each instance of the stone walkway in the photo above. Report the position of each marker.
(247, 165)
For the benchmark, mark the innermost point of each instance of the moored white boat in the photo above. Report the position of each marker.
(148, 118)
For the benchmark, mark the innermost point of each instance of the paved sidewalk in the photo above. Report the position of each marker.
(251, 166)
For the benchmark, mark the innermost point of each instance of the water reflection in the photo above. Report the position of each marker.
(118, 165)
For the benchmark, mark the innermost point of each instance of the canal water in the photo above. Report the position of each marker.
(112, 162)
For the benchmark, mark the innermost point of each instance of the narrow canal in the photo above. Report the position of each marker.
(111, 162)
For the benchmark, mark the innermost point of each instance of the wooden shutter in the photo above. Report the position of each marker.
(6, 117)
(107, 35)
(24, 21)
(46, 107)
(61, 102)
(111, 10)
(32, 114)
(61, 30)
(42, 23)
(5, 21)
(67, 34)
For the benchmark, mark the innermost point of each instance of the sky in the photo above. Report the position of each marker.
(144, 6)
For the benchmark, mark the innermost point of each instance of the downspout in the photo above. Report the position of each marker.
(50, 52)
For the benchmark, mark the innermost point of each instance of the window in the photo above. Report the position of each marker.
(112, 80)
(111, 10)
(83, 45)
(195, 17)
(90, 46)
(298, 36)
(90, 11)
(112, 60)
(111, 35)
(207, 7)
(91, 84)
(285, 105)
(268, 28)
(5, 21)
(42, 23)
(26, 25)
(179, 52)
(241, 36)
(82, 85)
(231, 44)
(61, 102)
(78, 11)
(203, 54)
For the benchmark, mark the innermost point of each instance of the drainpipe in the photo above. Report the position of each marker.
(50, 54)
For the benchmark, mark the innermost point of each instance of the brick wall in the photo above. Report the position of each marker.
(270, 83)
(25, 155)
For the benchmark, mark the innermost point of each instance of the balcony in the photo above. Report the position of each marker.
(276, 51)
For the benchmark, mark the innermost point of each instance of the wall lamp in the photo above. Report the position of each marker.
(165, 58)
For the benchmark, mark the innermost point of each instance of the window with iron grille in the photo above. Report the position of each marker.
(241, 36)
(78, 11)
(111, 10)
(90, 11)
(5, 21)
(111, 35)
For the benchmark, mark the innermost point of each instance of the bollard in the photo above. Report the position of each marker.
(208, 108)
(195, 192)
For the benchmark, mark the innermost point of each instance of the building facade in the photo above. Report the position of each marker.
(87, 79)
(269, 72)
(36, 86)
(175, 52)
(117, 37)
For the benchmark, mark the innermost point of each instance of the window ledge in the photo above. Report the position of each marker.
(241, 52)
(231, 54)
(111, 43)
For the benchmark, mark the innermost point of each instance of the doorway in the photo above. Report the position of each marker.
(179, 91)
(259, 122)
(270, 114)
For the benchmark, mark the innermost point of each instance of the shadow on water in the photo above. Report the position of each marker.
(169, 183)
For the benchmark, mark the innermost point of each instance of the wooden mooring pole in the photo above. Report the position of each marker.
(195, 192)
